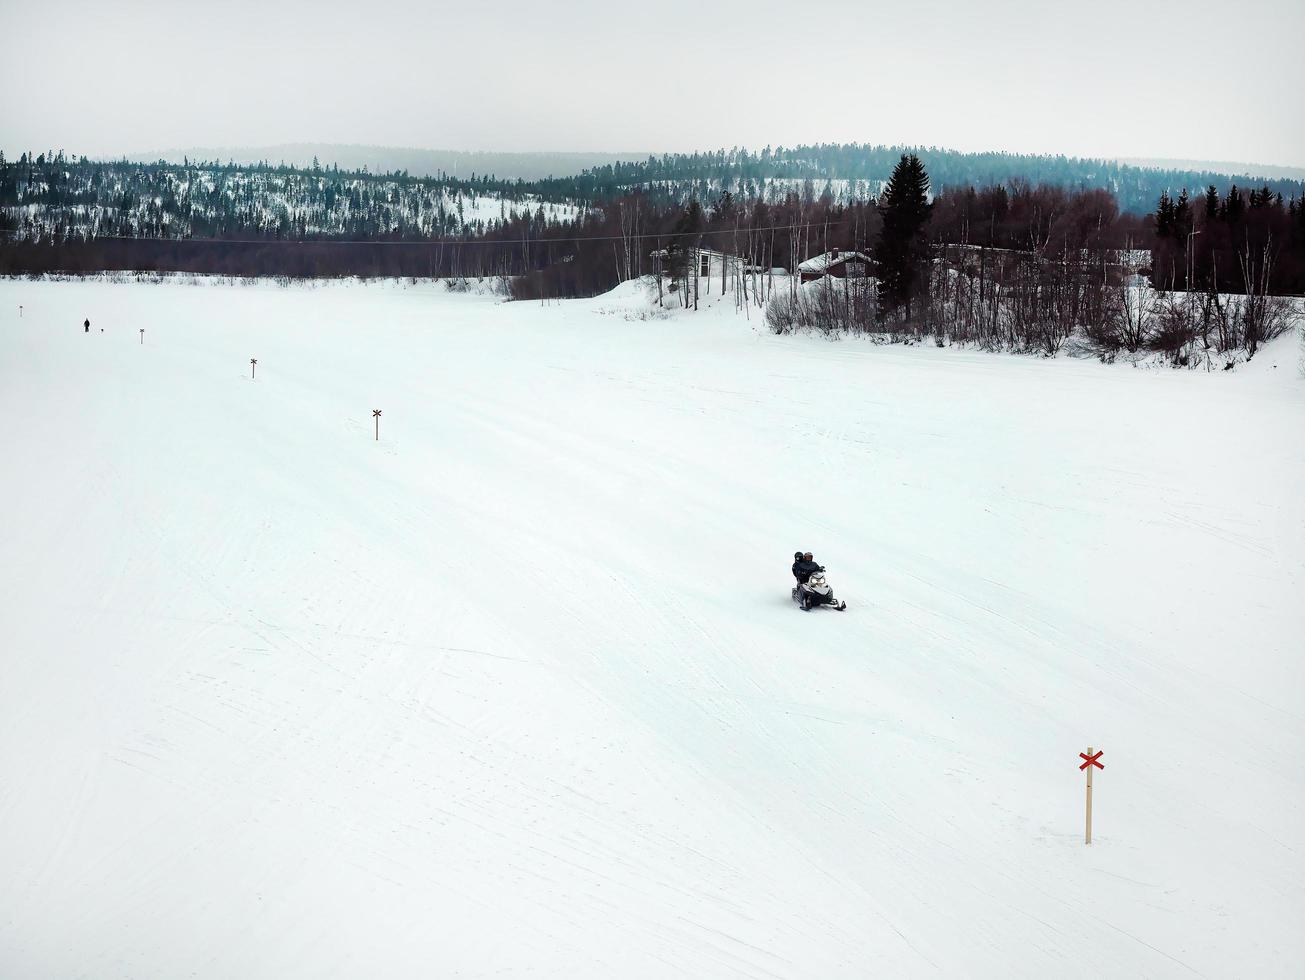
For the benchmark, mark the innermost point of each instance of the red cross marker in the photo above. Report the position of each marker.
(1089, 763)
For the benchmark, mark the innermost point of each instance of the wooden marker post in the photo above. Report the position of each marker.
(1089, 763)
(376, 414)
(253, 366)
(142, 335)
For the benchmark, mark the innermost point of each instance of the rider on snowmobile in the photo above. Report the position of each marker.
(804, 566)
(812, 590)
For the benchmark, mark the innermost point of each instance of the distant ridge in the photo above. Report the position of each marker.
(541, 165)
(1232, 169)
(387, 159)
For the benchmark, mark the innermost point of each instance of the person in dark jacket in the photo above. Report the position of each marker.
(804, 567)
(87, 325)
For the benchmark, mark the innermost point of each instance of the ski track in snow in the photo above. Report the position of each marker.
(519, 690)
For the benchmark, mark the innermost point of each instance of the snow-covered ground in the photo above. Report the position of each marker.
(518, 690)
(491, 208)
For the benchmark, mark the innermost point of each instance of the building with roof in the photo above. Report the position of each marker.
(706, 263)
(837, 263)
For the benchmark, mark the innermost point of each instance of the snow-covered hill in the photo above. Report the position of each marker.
(62, 199)
(518, 690)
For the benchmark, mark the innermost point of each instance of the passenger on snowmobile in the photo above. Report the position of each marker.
(804, 567)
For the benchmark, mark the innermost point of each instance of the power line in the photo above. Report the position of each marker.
(430, 242)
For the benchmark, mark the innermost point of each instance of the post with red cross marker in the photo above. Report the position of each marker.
(253, 366)
(376, 414)
(1089, 763)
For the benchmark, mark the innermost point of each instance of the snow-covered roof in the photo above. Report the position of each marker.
(821, 263)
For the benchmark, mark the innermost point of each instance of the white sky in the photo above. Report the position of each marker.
(1159, 78)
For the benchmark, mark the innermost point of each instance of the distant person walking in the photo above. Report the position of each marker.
(87, 325)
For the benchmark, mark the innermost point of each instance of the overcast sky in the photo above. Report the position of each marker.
(1161, 78)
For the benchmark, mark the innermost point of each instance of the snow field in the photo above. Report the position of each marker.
(518, 689)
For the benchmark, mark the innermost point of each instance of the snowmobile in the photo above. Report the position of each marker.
(816, 592)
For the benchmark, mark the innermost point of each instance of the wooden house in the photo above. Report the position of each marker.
(837, 263)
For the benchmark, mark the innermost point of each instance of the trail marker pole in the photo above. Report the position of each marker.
(1089, 763)
(253, 366)
(142, 335)
(376, 414)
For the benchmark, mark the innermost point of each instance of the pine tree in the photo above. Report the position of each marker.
(900, 251)
(681, 256)
(1183, 214)
(1234, 205)
(724, 209)
(1164, 216)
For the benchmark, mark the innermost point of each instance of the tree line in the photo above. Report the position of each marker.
(747, 174)
(53, 196)
(1229, 242)
(1033, 268)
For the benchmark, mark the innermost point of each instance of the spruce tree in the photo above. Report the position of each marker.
(1164, 216)
(1211, 203)
(682, 253)
(1234, 205)
(900, 251)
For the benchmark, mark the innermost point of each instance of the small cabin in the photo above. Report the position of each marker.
(705, 262)
(839, 263)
